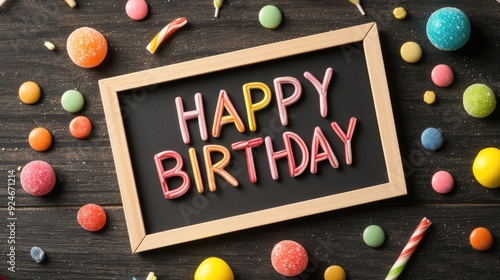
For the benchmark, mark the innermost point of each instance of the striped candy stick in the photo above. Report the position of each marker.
(165, 32)
(410, 247)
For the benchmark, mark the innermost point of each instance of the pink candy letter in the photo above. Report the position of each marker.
(184, 116)
(284, 102)
(176, 171)
(346, 138)
(322, 88)
(247, 145)
(272, 156)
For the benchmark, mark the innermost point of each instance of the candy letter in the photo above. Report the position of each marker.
(176, 171)
(184, 116)
(272, 156)
(284, 102)
(346, 138)
(252, 107)
(217, 167)
(319, 139)
(322, 88)
(196, 169)
(220, 120)
(247, 145)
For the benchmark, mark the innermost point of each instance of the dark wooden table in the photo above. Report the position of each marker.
(86, 172)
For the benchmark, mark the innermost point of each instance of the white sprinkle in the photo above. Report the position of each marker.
(49, 45)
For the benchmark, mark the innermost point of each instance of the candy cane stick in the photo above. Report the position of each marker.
(165, 32)
(410, 247)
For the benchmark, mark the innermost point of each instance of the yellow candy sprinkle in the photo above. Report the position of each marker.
(411, 52)
(29, 92)
(429, 97)
(399, 13)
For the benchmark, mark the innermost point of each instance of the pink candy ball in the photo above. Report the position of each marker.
(136, 9)
(38, 178)
(289, 258)
(442, 182)
(442, 75)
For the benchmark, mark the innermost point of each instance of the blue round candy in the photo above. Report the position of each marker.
(448, 29)
(432, 139)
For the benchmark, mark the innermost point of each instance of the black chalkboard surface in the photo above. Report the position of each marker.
(143, 121)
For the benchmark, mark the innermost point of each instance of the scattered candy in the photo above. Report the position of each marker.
(442, 182)
(91, 217)
(137, 9)
(411, 52)
(410, 247)
(448, 29)
(270, 16)
(151, 276)
(87, 47)
(72, 101)
(49, 45)
(71, 3)
(217, 5)
(165, 33)
(479, 100)
(399, 13)
(374, 236)
(442, 75)
(2, 2)
(429, 97)
(289, 258)
(335, 272)
(40, 139)
(481, 239)
(357, 3)
(432, 139)
(486, 167)
(80, 127)
(38, 178)
(29, 92)
(37, 254)
(213, 268)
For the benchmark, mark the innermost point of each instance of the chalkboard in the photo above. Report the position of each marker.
(255, 136)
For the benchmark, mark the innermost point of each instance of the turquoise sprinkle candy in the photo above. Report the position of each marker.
(448, 29)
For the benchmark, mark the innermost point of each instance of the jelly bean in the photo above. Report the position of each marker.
(270, 16)
(374, 236)
(411, 52)
(40, 139)
(80, 127)
(213, 268)
(29, 92)
(37, 254)
(289, 258)
(479, 100)
(87, 47)
(38, 178)
(91, 217)
(72, 101)
(481, 239)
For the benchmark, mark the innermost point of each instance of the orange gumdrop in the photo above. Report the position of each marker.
(40, 139)
(87, 47)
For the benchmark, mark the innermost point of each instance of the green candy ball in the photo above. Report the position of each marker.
(374, 236)
(72, 101)
(479, 100)
(270, 16)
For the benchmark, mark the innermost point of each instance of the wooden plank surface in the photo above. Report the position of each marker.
(86, 173)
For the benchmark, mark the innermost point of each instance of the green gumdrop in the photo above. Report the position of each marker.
(479, 100)
(72, 101)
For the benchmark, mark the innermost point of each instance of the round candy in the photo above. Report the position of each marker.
(486, 167)
(40, 139)
(432, 139)
(72, 101)
(374, 236)
(37, 254)
(429, 97)
(289, 258)
(87, 47)
(442, 182)
(29, 92)
(91, 217)
(270, 16)
(335, 272)
(448, 29)
(136, 9)
(80, 127)
(38, 178)
(479, 100)
(481, 239)
(411, 52)
(442, 75)
(399, 13)
(213, 268)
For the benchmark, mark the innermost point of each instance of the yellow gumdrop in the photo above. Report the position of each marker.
(486, 167)
(213, 268)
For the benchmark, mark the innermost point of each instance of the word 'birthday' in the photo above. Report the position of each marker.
(225, 113)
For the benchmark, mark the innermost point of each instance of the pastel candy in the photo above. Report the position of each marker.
(29, 92)
(481, 239)
(38, 178)
(374, 236)
(442, 182)
(335, 272)
(486, 167)
(136, 9)
(479, 100)
(213, 268)
(270, 16)
(72, 101)
(432, 139)
(411, 52)
(448, 29)
(442, 75)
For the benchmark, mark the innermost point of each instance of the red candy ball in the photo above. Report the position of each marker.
(38, 178)
(289, 258)
(91, 217)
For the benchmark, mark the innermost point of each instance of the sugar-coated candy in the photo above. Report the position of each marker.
(289, 258)
(479, 100)
(37, 254)
(486, 167)
(432, 139)
(335, 272)
(442, 182)
(429, 97)
(374, 236)
(481, 239)
(136, 9)
(40, 139)
(270, 16)
(91, 217)
(72, 101)
(213, 268)
(411, 52)
(38, 178)
(448, 29)
(442, 75)
(80, 127)
(29, 92)
(87, 47)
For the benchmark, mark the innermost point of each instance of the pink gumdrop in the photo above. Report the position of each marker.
(289, 258)
(38, 178)
(442, 182)
(442, 75)
(136, 9)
